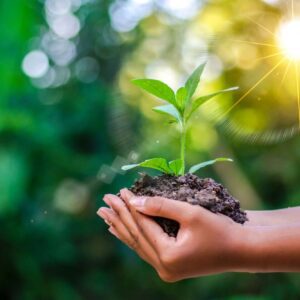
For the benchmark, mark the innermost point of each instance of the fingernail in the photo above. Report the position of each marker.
(137, 201)
(107, 222)
(110, 229)
(129, 195)
(107, 200)
(101, 213)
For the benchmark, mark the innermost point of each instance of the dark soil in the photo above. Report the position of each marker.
(192, 189)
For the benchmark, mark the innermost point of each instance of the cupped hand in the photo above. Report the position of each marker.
(206, 243)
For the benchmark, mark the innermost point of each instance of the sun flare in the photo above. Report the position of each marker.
(289, 39)
(287, 45)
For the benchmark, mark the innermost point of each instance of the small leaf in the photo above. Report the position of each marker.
(181, 96)
(193, 81)
(200, 101)
(159, 164)
(156, 88)
(176, 166)
(169, 110)
(197, 167)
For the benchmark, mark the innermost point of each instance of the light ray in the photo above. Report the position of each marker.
(286, 72)
(289, 60)
(262, 26)
(268, 56)
(256, 43)
(298, 91)
(253, 87)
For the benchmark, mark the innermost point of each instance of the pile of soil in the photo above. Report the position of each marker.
(192, 189)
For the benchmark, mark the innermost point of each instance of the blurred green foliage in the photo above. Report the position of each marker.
(66, 131)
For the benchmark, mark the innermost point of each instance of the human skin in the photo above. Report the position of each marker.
(274, 217)
(206, 243)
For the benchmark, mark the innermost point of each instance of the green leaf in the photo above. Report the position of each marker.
(169, 110)
(193, 81)
(200, 101)
(156, 88)
(159, 164)
(197, 167)
(181, 96)
(176, 166)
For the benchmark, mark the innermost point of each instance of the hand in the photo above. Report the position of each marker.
(122, 224)
(205, 243)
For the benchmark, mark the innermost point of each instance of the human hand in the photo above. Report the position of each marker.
(206, 243)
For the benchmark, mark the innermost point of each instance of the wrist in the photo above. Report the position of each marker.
(246, 249)
(260, 218)
(257, 249)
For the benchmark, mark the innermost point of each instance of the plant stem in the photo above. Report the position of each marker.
(183, 146)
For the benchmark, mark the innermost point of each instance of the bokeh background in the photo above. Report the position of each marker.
(70, 117)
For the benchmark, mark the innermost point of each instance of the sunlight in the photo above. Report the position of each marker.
(288, 39)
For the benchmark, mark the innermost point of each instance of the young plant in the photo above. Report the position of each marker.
(180, 108)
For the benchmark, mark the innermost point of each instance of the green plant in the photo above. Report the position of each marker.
(180, 108)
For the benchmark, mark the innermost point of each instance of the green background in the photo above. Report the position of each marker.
(62, 141)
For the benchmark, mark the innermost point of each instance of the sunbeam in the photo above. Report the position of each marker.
(282, 47)
(254, 86)
(256, 43)
(285, 72)
(287, 40)
(268, 56)
(262, 26)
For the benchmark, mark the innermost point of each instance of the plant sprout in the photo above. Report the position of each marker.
(180, 108)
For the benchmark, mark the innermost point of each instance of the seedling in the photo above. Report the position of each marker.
(180, 108)
(205, 192)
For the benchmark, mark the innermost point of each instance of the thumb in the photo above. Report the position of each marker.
(161, 207)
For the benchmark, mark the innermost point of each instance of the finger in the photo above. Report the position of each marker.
(126, 195)
(130, 223)
(115, 233)
(152, 231)
(119, 206)
(162, 207)
(137, 243)
(113, 220)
